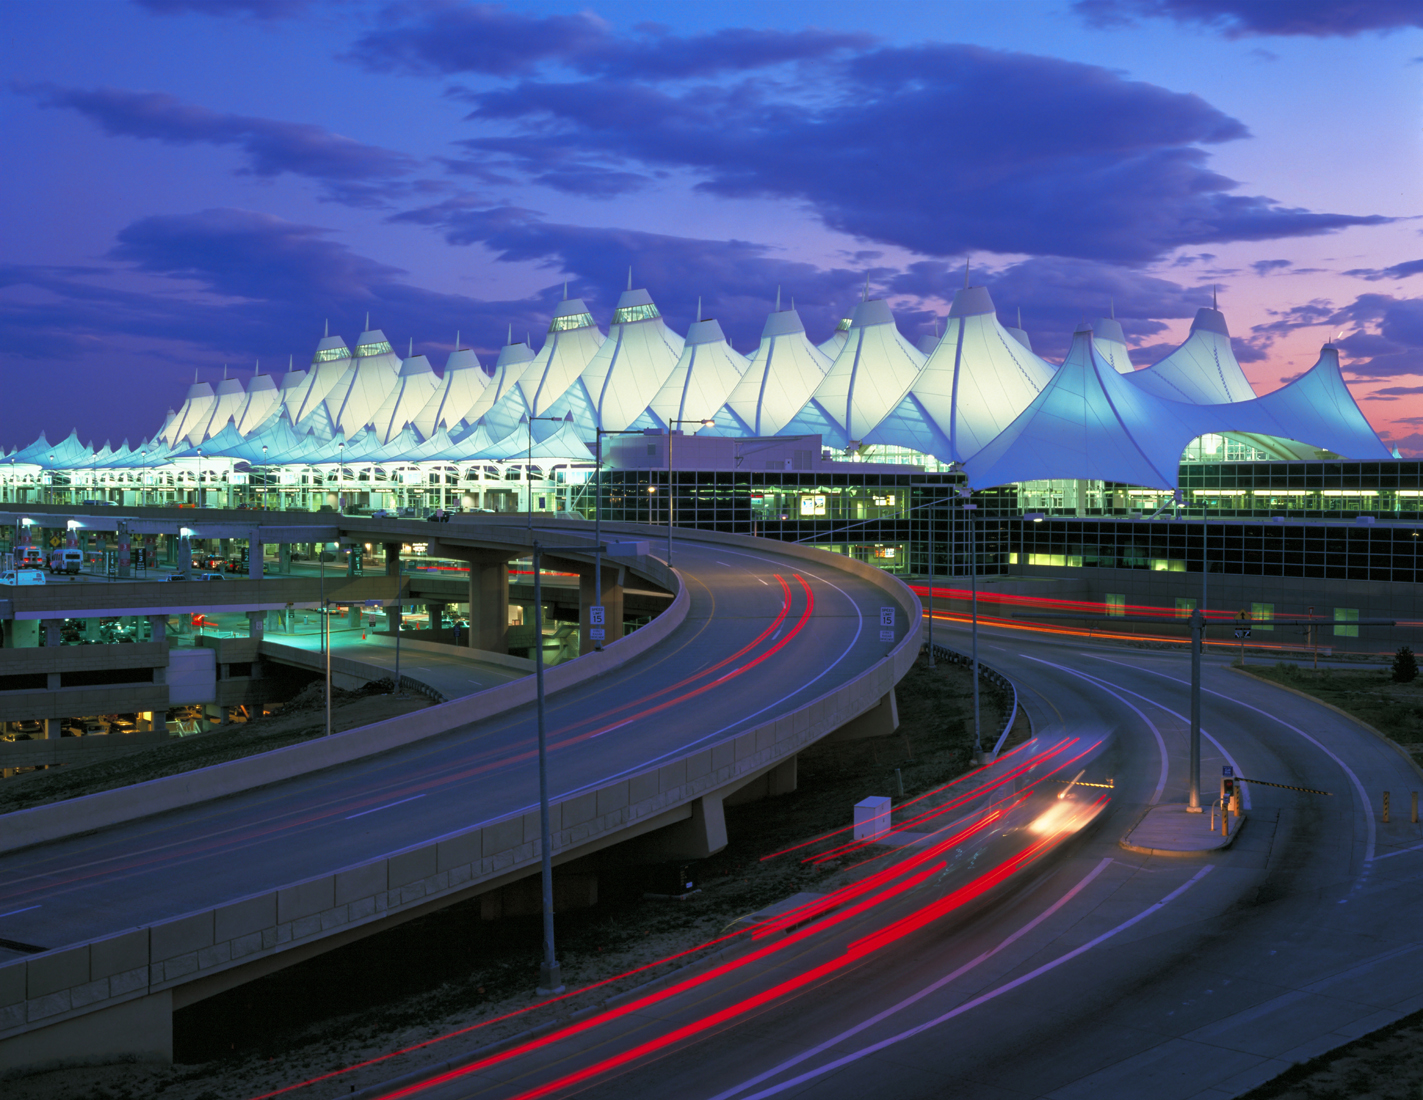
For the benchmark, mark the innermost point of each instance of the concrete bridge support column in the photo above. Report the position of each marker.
(437, 615)
(489, 602)
(51, 628)
(157, 627)
(256, 624)
(284, 558)
(254, 557)
(610, 599)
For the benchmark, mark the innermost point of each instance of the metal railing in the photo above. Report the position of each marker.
(988, 675)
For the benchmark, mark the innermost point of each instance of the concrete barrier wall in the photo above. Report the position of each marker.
(55, 986)
(44, 823)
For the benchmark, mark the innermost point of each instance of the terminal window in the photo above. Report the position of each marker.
(1346, 615)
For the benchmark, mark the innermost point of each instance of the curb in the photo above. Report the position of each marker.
(1385, 738)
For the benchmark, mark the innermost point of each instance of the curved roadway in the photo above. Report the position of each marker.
(1105, 973)
(765, 633)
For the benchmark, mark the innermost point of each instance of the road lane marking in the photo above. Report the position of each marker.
(1386, 855)
(725, 563)
(873, 1048)
(928, 989)
(387, 806)
(1245, 791)
(1365, 807)
(13, 912)
(1160, 741)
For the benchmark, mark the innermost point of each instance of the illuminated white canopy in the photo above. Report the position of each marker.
(705, 374)
(414, 387)
(1111, 344)
(457, 391)
(374, 372)
(513, 360)
(978, 379)
(573, 339)
(1203, 370)
(627, 370)
(780, 377)
(263, 397)
(865, 381)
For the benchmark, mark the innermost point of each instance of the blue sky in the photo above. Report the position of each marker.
(200, 183)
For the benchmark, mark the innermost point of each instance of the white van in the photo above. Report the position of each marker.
(22, 576)
(65, 560)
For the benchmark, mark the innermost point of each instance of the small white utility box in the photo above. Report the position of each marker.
(871, 818)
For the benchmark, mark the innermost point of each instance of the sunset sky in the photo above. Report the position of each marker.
(190, 184)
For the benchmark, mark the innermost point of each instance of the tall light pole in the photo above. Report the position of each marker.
(672, 496)
(973, 578)
(550, 974)
(529, 463)
(598, 513)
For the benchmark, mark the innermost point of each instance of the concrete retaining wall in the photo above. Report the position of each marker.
(97, 811)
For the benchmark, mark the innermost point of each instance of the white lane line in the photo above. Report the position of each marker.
(1244, 791)
(765, 582)
(12, 912)
(1160, 741)
(1364, 805)
(1386, 855)
(967, 1006)
(928, 989)
(725, 563)
(387, 806)
(610, 729)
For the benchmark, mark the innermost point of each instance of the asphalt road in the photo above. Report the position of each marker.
(1097, 972)
(764, 634)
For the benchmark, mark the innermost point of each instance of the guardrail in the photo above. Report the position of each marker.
(991, 675)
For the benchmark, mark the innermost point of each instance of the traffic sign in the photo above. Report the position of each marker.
(886, 635)
(596, 633)
(54, 540)
(1227, 770)
(595, 615)
(1245, 633)
(886, 616)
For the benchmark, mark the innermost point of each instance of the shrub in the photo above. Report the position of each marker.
(1405, 665)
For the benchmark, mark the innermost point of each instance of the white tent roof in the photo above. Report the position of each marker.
(1020, 335)
(573, 339)
(926, 344)
(414, 387)
(831, 347)
(193, 415)
(978, 379)
(262, 397)
(629, 367)
(227, 405)
(513, 360)
(331, 361)
(1111, 344)
(359, 393)
(1202, 370)
(780, 377)
(463, 381)
(866, 380)
(705, 374)
(1090, 422)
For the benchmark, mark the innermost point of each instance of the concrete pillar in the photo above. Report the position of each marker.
(701, 835)
(489, 603)
(610, 599)
(157, 627)
(353, 616)
(125, 549)
(437, 615)
(51, 631)
(22, 633)
(254, 557)
(91, 628)
(256, 624)
(782, 778)
(51, 728)
(284, 557)
(185, 556)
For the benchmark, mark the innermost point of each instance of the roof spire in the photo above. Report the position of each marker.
(1112, 302)
(457, 339)
(565, 290)
(778, 299)
(258, 368)
(865, 294)
(792, 302)
(224, 372)
(510, 338)
(965, 272)
(1020, 316)
(411, 353)
(368, 320)
(327, 331)
(699, 307)
(1214, 303)
(629, 276)
(291, 362)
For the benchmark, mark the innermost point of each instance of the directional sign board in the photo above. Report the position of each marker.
(595, 616)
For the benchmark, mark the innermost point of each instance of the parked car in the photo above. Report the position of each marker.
(439, 515)
(22, 576)
(209, 577)
(382, 513)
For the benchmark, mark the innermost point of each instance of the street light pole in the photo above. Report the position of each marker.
(973, 578)
(550, 974)
(671, 496)
(1198, 623)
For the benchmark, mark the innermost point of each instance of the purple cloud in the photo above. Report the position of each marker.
(353, 172)
(1397, 271)
(1071, 160)
(437, 36)
(1264, 267)
(1241, 18)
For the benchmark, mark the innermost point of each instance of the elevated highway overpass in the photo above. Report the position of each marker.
(118, 908)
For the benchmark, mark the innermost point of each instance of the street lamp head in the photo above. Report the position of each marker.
(1036, 517)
